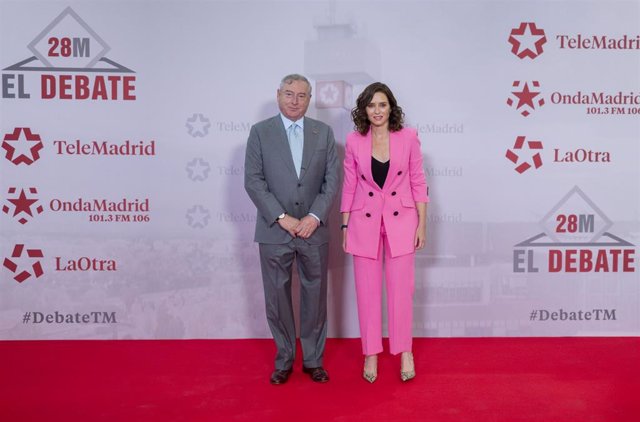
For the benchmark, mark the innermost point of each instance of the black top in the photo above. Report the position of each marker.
(379, 171)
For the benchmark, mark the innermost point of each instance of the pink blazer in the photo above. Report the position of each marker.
(395, 203)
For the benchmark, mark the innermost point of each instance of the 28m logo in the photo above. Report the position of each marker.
(68, 63)
(69, 47)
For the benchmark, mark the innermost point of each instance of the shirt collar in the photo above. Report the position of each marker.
(287, 122)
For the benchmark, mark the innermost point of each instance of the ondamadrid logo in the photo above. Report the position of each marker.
(68, 63)
(525, 97)
(22, 146)
(22, 206)
(23, 272)
(527, 40)
(616, 103)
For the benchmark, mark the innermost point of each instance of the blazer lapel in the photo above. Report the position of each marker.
(280, 141)
(365, 154)
(396, 156)
(311, 133)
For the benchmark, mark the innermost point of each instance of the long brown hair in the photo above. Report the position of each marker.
(359, 113)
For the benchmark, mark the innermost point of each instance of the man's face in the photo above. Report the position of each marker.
(293, 99)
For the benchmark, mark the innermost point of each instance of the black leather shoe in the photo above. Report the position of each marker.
(317, 374)
(280, 376)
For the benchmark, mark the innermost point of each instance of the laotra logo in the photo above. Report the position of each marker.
(526, 154)
(23, 271)
(24, 263)
(515, 155)
(575, 238)
(69, 63)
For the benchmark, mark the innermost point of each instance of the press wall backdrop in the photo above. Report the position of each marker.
(123, 128)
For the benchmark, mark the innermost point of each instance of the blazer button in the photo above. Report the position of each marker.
(400, 172)
(368, 215)
(393, 193)
(370, 193)
(299, 184)
(297, 203)
(363, 178)
(395, 213)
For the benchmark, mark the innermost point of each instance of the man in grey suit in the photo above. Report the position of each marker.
(291, 175)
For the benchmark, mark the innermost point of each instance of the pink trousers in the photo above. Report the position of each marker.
(399, 277)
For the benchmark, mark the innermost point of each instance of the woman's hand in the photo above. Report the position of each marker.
(421, 231)
(344, 239)
(343, 229)
(421, 236)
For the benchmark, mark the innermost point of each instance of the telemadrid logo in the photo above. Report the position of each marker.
(527, 40)
(70, 58)
(22, 146)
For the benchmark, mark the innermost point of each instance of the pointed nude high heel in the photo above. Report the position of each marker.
(408, 375)
(370, 376)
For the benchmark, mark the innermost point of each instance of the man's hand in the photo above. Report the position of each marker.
(307, 226)
(289, 224)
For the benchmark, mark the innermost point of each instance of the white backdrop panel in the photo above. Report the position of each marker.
(204, 71)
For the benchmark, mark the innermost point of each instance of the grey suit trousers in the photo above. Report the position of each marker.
(276, 261)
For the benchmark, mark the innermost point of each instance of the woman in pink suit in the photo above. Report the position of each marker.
(384, 211)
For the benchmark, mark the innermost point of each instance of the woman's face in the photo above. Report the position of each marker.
(378, 110)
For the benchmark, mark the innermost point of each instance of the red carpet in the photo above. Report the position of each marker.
(488, 379)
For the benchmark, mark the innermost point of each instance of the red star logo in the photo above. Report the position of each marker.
(34, 145)
(22, 204)
(36, 267)
(514, 158)
(527, 40)
(526, 97)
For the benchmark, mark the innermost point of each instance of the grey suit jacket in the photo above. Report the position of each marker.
(271, 181)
